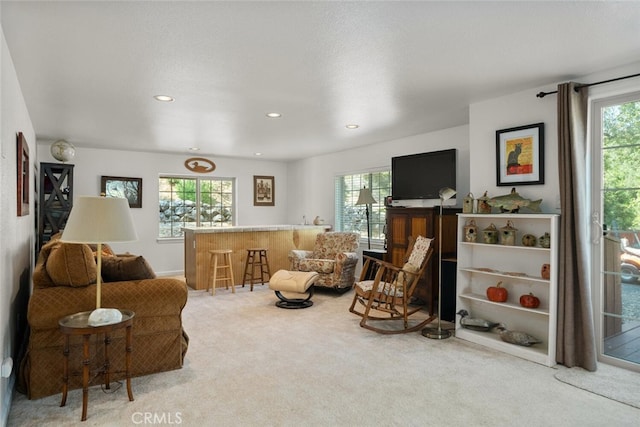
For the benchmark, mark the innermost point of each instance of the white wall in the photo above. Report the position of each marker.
(519, 109)
(166, 257)
(311, 181)
(525, 108)
(17, 232)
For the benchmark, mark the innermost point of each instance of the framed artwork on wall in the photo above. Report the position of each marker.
(264, 190)
(22, 172)
(129, 188)
(520, 155)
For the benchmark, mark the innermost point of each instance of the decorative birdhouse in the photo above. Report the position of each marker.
(470, 231)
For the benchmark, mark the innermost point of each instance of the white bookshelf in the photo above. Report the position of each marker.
(482, 265)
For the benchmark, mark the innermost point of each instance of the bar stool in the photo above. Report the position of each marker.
(225, 266)
(256, 261)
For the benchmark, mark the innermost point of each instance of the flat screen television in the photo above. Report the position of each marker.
(421, 176)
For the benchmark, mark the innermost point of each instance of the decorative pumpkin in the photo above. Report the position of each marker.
(497, 293)
(529, 301)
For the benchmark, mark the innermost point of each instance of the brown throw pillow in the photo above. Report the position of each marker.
(123, 268)
(71, 264)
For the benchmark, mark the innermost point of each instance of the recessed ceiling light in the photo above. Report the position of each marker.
(164, 98)
(274, 115)
(257, 154)
(194, 149)
(352, 126)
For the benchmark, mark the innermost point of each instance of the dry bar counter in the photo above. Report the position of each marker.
(277, 239)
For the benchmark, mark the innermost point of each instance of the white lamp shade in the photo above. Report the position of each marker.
(365, 197)
(99, 220)
(446, 193)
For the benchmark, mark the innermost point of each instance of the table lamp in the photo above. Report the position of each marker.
(98, 220)
(366, 198)
(438, 333)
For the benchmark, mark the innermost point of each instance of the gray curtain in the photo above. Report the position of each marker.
(576, 339)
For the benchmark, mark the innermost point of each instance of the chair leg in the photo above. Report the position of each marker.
(230, 267)
(215, 273)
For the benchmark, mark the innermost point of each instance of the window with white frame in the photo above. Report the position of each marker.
(350, 217)
(193, 202)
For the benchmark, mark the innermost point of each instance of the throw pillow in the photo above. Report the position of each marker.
(402, 276)
(128, 267)
(71, 264)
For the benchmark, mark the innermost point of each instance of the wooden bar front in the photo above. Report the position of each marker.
(278, 240)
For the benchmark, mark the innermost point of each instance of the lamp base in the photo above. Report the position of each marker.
(104, 316)
(436, 333)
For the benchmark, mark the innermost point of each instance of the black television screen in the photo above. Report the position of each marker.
(421, 176)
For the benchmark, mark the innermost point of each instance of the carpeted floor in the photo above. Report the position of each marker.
(608, 381)
(253, 364)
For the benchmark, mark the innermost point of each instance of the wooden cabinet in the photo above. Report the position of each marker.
(55, 199)
(405, 222)
(519, 268)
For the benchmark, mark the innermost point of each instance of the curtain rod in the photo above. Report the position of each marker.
(580, 86)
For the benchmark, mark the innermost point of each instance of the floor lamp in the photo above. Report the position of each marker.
(98, 220)
(438, 333)
(366, 198)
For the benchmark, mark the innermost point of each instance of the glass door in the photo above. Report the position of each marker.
(616, 219)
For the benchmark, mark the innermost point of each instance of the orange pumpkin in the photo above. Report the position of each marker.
(497, 293)
(529, 301)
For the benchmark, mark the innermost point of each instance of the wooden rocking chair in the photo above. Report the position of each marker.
(387, 296)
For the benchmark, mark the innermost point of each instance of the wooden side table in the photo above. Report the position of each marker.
(77, 324)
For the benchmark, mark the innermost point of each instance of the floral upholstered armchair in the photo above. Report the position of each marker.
(333, 257)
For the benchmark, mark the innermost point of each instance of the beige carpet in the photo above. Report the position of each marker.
(253, 364)
(608, 381)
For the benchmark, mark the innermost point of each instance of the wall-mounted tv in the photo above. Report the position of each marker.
(421, 176)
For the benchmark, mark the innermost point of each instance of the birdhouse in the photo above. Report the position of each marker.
(508, 234)
(467, 203)
(490, 234)
(483, 204)
(470, 231)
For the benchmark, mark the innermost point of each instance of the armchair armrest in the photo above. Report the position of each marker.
(295, 255)
(344, 272)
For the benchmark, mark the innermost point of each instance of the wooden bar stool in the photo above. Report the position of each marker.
(256, 262)
(225, 266)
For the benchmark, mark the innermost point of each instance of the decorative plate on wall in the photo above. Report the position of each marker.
(199, 165)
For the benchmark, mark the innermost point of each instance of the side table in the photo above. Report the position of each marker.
(77, 324)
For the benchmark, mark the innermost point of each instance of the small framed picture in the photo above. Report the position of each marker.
(264, 190)
(22, 163)
(520, 155)
(129, 188)
(388, 201)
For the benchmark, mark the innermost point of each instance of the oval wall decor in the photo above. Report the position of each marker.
(199, 165)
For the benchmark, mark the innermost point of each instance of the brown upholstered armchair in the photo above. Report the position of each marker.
(333, 258)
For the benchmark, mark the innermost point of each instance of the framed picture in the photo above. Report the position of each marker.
(520, 155)
(264, 190)
(22, 172)
(388, 201)
(129, 188)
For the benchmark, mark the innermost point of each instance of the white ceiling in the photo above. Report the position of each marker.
(89, 70)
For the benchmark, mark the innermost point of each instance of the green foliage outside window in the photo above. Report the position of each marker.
(621, 166)
(193, 202)
(350, 217)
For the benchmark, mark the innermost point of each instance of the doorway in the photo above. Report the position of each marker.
(616, 219)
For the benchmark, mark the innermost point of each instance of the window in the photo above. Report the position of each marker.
(194, 202)
(350, 217)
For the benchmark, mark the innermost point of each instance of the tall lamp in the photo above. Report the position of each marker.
(98, 220)
(438, 333)
(366, 198)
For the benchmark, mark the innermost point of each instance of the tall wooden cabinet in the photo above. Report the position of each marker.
(518, 267)
(56, 199)
(405, 222)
